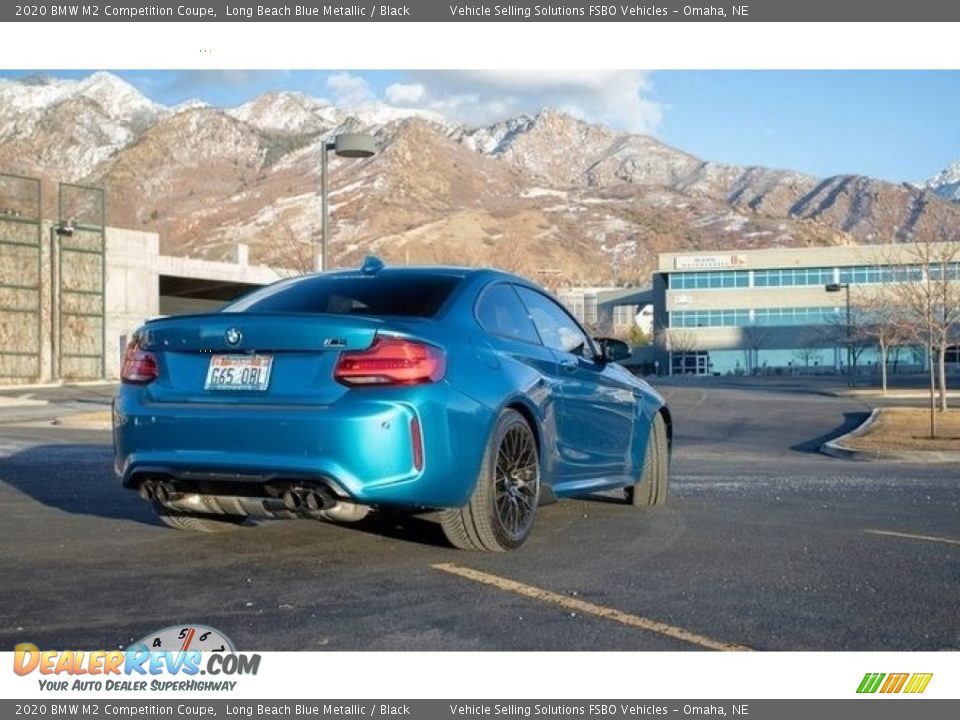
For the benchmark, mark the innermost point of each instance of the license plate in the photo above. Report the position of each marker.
(238, 372)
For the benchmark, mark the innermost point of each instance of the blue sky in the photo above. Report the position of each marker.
(898, 125)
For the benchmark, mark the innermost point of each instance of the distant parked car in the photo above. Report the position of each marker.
(468, 391)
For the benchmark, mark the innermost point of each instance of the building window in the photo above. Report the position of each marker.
(793, 277)
(624, 315)
(583, 306)
(715, 280)
(709, 318)
(762, 316)
(797, 316)
(807, 277)
(690, 363)
(876, 274)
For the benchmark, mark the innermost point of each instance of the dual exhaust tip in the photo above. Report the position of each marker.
(161, 491)
(308, 500)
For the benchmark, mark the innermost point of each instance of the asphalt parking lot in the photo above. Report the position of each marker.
(765, 544)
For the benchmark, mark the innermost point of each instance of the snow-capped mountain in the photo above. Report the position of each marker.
(69, 127)
(532, 193)
(296, 112)
(293, 112)
(946, 183)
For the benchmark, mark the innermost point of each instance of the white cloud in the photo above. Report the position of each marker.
(405, 93)
(614, 97)
(349, 90)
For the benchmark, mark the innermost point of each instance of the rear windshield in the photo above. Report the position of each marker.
(407, 295)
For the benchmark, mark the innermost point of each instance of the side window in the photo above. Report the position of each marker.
(558, 330)
(500, 312)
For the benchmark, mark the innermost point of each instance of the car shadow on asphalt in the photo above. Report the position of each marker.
(78, 479)
(418, 528)
(423, 528)
(850, 421)
(74, 478)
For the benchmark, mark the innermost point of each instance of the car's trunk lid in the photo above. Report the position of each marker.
(292, 356)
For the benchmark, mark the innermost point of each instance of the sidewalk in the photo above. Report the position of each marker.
(48, 403)
(93, 420)
(25, 400)
(895, 393)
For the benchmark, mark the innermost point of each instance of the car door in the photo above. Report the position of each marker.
(514, 341)
(597, 409)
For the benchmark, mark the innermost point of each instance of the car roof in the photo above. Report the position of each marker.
(429, 270)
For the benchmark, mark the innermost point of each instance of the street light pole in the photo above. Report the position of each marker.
(349, 145)
(837, 287)
(324, 212)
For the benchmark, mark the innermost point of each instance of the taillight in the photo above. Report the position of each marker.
(391, 361)
(139, 366)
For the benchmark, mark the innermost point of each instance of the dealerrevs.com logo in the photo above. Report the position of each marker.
(888, 683)
(183, 652)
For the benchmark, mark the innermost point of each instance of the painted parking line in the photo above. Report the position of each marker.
(910, 536)
(587, 608)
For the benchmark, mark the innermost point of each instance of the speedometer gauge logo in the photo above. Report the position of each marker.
(188, 637)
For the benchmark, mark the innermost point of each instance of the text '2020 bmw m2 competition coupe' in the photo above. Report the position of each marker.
(466, 391)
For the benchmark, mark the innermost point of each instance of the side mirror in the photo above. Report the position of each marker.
(614, 350)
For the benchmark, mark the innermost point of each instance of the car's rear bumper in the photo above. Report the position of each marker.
(362, 447)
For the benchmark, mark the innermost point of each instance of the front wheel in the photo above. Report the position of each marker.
(651, 488)
(501, 510)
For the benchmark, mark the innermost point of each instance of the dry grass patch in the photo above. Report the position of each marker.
(909, 429)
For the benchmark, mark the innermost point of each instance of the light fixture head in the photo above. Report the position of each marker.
(65, 228)
(355, 145)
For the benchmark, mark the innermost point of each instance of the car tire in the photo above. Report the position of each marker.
(651, 488)
(503, 505)
(179, 520)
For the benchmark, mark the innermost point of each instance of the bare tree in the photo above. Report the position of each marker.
(926, 284)
(850, 330)
(289, 254)
(679, 340)
(806, 355)
(600, 328)
(755, 338)
(675, 340)
(510, 255)
(888, 325)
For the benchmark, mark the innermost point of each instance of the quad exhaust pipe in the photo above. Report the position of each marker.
(293, 500)
(161, 491)
(308, 501)
(303, 501)
(317, 501)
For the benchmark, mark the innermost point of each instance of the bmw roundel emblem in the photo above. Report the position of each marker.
(233, 336)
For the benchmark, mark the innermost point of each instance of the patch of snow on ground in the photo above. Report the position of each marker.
(346, 188)
(543, 192)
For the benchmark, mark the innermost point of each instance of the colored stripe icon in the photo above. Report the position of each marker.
(894, 682)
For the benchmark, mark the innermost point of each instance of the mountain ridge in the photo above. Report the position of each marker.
(544, 194)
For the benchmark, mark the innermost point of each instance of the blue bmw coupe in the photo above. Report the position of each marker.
(467, 391)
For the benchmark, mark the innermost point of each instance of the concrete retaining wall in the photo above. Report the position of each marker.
(133, 268)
